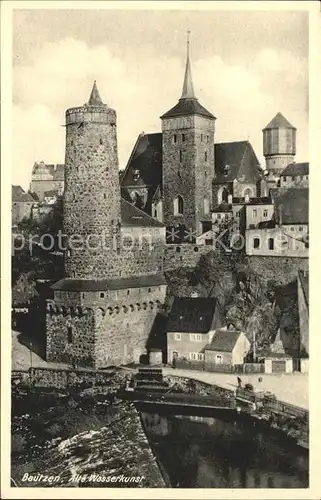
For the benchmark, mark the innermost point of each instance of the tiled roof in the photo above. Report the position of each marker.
(51, 193)
(279, 122)
(294, 206)
(294, 169)
(146, 158)
(223, 340)
(19, 195)
(192, 314)
(188, 106)
(133, 216)
(71, 284)
(235, 160)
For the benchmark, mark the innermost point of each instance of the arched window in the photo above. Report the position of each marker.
(256, 243)
(222, 195)
(247, 192)
(178, 205)
(271, 243)
(206, 205)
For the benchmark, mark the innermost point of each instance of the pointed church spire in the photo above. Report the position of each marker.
(188, 89)
(95, 99)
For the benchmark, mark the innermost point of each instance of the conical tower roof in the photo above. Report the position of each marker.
(188, 103)
(279, 122)
(95, 99)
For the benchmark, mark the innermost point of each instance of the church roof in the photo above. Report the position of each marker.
(133, 216)
(294, 169)
(146, 159)
(19, 195)
(279, 121)
(192, 314)
(95, 99)
(235, 160)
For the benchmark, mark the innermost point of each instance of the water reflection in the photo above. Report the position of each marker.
(202, 452)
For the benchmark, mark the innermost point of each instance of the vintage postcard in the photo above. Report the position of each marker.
(157, 167)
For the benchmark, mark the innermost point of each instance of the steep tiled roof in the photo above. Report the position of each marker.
(224, 207)
(279, 122)
(192, 314)
(51, 193)
(19, 195)
(294, 169)
(132, 216)
(146, 158)
(235, 160)
(294, 206)
(109, 284)
(223, 340)
(188, 106)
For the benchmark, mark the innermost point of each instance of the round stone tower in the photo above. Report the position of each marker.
(279, 144)
(91, 211)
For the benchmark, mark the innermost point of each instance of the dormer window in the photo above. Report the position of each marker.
(136, 175)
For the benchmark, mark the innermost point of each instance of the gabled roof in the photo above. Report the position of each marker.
(146, 158)
(293, 204)
(133, 216)
(192, 314)
(19, 195)
(279, 122)
(223, 340)
(235, 160)
(294, 169)
(85, 285)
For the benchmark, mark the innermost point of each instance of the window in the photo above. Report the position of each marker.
(100, 141)
(195, 337)
(256, 243)
(294, 178)
(271, 243)
(196, 356)
(218, 216)
(195, 249)
(205, 156)
(206, 206)
(254, 212)
(209, 241)
(178, 205)
(127, 292)
(207, 138)
(104, 196)
(69, 334)
(178, 336)
(102, 295)
(265, 213)
(284, 178)
(300, 228)
(178, 249)
(149, 290)
(205, 174)
(180, 156)
(183, 137)
(291, 228)
(252, 226)
(174, 138)
(302, 177)
(237, 215)
(201, 137)
(155, 212)
(218, 359)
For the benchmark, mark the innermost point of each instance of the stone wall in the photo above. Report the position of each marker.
(283, 270)
(184, 255)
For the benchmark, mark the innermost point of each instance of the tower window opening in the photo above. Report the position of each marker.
(180, 156)
(205, 156)
(183, 137)
(100, 141)
(175, 138)
(104, 195)
(207, 138)
(256, 243)
(69, 334)
(205, 174)
(178, 205)
(72, 143)
(102, 295)
(201, 137)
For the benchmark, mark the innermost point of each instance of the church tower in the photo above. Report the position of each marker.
(279, 145)
(92, 193)
(188, 160)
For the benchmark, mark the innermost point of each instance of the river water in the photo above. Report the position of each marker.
(202, 452)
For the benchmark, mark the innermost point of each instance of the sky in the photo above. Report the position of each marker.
(246, 67)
